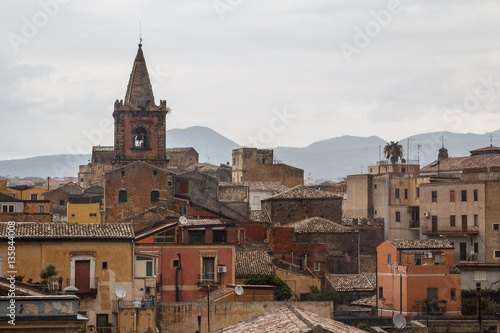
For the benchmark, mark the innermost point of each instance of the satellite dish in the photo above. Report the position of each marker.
(120, 292)
(399, 320)
(183, 220)
(238, 290)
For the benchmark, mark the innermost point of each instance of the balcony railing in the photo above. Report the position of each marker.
(147, 303)
(426, 230)
(207, 279)
(414, 224)
(90, 289)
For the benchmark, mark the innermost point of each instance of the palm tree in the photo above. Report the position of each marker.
(393, 151)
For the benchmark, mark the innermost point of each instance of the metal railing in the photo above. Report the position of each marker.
(450, 230)
(147, 303)
(93, 283)
(207, 279)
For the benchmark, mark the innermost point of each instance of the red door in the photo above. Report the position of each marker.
(82, 275)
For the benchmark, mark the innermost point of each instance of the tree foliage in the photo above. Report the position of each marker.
(489, 299)
(323, 294)
(393, 151)
(282, 293)
(48, 272)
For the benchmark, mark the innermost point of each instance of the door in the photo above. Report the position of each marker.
(464, 223)
(463, 251)
(434, 224)
(102, 322)
(82, 275)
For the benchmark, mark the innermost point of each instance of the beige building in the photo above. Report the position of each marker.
(390, 192)
(252, 164)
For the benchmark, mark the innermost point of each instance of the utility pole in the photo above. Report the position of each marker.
(478, 302)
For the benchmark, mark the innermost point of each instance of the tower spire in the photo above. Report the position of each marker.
(139, 89)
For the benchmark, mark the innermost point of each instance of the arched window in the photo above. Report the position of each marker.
(140, 137)
(155, 196)
(122, 196)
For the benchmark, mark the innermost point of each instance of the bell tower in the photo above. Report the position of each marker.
(140, 124)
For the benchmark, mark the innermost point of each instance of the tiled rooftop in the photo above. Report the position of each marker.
(178, 150)
(352, 282)
(421, 244)
(318, 225)
(275, 187)
(203, 221)
(254, 263)
(463, 163)
(290, 319)
(303, 192)
(35, 230)
(259, 216)
(454, 270)
(8, 198)
(103, 148)
(216, 294)
(254, 246)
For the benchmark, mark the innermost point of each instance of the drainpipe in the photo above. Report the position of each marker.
(177, 288)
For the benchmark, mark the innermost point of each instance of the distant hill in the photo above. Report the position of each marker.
(327, 159)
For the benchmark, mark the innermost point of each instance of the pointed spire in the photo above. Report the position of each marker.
(139, 89)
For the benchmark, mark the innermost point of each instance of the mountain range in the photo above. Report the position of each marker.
(327, 159)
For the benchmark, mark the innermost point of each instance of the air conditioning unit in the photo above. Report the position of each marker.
(428, 255)
(137, 304)
(221, 269)
(427, 214)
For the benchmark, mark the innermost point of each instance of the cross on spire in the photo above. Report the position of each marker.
(442, 140)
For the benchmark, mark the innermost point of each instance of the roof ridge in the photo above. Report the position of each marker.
(300, 316)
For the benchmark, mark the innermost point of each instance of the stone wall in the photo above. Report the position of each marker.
(183, 316)
(285, 211)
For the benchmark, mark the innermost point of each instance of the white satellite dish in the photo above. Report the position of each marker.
(399, 320)
(183, 220)
(120, 292)
(239, 290)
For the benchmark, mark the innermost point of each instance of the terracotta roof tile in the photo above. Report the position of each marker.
(253, 246)
(352, 282)
(301, 192)
(35, 230)
(254, 263)
(463, 163)
(178, 150)
(318, 225)
(421, 244)
(259, 216)
(275, 187)
(216, 294)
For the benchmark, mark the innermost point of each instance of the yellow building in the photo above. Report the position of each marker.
(3, 186)
(93, 258)
(25, 192)
(84, 212)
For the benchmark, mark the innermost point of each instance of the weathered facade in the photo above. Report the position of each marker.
(252, 164)
(134, 188)
(302, 202)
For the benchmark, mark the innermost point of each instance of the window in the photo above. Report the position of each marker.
(475, 195)
(497, 254)
(403, 170)
(122, 196)
(264, 160)
(418, 192)
(41, 209)
(196, 236)
(476, 247)
(476, 220)
(300, 262)
(453, 294)
(61, 202)
(183, 209)
(155, 172)
(452, 220)
(434, 196)
(496, 226)
(72, 215)
(464, 195)
(417, 259)
(375, 186)
(388, 259)
(140, 137)
(398, 216)
(34, 196)
(406, 193)
(452, 196)
(317, 266)
(165, 237)
(380, 292)
(104, 265)
(176, 263)
(155, 196)
(92, 214)
(144, 266)
(123, 173)
(479, 275)
(183, 187)
(397, 193)
(437, 259)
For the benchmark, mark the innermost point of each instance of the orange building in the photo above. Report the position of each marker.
(417, 276)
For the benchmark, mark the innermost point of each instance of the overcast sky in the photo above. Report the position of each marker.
(263, 73)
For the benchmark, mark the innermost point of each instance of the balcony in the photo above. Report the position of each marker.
(207, 280)
(449, 231)
(88, 287)
(414, 224)
(147, 303)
